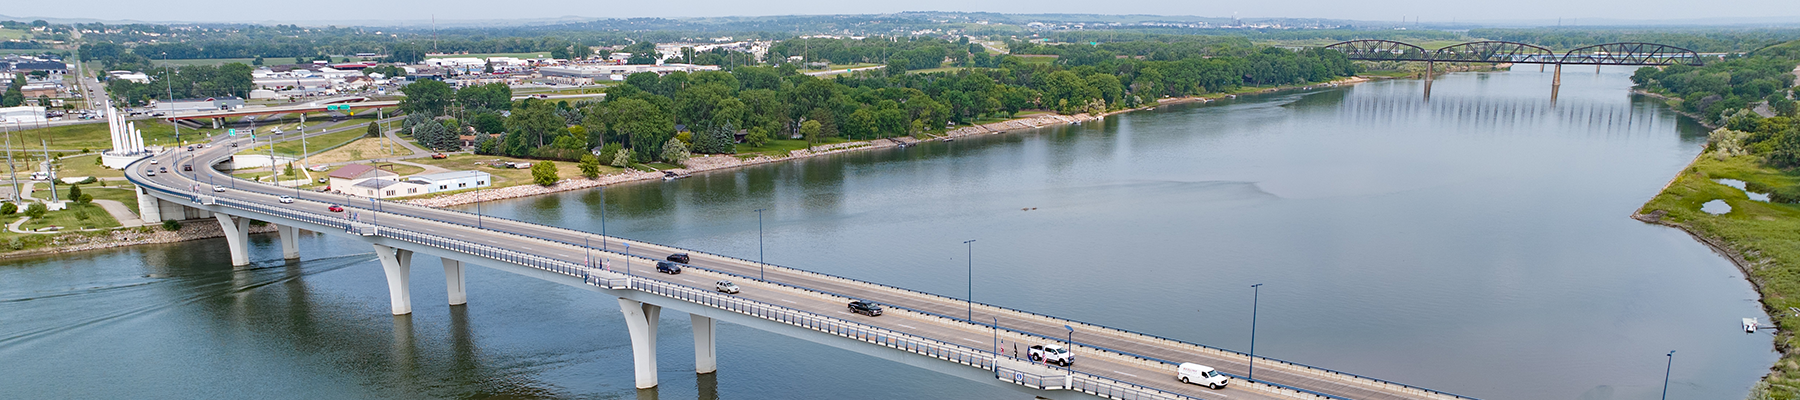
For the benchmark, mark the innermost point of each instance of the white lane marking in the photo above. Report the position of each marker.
(908, 326)
(976, 341)
(790, 301)
(1124, 373)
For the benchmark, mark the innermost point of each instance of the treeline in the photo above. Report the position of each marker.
(190, 82)
(1704, 40)
(640, 118)
(1717, 90)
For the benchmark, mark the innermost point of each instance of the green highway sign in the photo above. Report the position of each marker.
(233, 131)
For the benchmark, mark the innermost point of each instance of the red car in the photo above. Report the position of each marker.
(335, 208)
(439, 156)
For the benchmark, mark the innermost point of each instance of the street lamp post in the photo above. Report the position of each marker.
(1068, 363)
(1254, 301)
(1665, 394)
(627, 258)
(760, 264)
(996, 337)
(971, 298)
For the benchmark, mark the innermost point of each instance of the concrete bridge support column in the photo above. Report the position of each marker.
(237, 237)
(705, 361)
(640, 318)
(397, 263)
(453, 280)
(290, 242)
(149, 207)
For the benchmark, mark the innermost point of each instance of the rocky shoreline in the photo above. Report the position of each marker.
(190, 230)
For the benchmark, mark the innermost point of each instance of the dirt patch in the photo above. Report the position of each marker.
(361, 149)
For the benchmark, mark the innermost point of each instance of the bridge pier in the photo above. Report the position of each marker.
(705, 361)
(397, 263)
(1556, 83)
(640, 319)
(290, 242)
(453, 280)
(1428, 70)
(237, 237)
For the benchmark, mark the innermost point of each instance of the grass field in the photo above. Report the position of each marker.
(779, 147)
(95, 137)
(85, 166)
(504, 177)
(1767, 235)
(313, 143)
(77, 216)
(11, 34)
(123, 193)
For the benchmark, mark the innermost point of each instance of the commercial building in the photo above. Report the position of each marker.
(22, 115)
(453, 180)
(618, 72)
(348, 176)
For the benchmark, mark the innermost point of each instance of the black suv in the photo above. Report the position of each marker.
(865, 308)
(679, 257)
(668, 267)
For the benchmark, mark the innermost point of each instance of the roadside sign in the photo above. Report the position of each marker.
(232, 131)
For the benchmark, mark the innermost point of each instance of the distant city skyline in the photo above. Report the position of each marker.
(412, 12)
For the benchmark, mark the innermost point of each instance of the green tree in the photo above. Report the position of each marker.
(544, 173)
(810, 130)
(717, 140)
(590, 166)
(74, 192)
(758, 137)
(427, 97)
(290, 170)
(674, 152)
(622, 159)
(374, 129)
(257, 62)
(85, 198)
(36, 210)
(9, 208)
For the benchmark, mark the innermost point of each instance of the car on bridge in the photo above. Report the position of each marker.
(218, 188)
(286, 200)
(1052, 354)
(335, 208)
(668, 267)
(726, 287)
(868, 308)
(1201, 375)
(679, 257)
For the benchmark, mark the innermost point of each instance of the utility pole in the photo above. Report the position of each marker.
(17, 195)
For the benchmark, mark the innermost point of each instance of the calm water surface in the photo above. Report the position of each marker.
(1478, 243)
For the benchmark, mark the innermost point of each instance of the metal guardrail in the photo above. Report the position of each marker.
(1325, 372)
(1087, 383)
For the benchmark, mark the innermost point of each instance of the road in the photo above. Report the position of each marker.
(1113, 359)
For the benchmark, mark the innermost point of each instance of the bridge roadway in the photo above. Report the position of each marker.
(1120, 355)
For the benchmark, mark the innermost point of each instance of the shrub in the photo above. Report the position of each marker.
(544, 173)
(621, 159)
(171, 225)
(590, 166)
(674, 152)
(81, 215)
(74, 192)
(9, 208)
(36, 210)
(85, 198)
(1790, 194)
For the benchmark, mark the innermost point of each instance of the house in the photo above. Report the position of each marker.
(382, 188)
(349, 175)
(453, 180)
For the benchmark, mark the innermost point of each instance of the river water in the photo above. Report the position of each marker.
(1476, 243)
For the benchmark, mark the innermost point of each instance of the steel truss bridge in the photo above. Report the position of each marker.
(1493, 51)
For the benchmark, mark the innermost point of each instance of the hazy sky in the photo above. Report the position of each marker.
(418, 10)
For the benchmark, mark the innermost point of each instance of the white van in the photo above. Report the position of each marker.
(1201, 375)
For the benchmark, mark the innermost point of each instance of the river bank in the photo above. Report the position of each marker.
(1761, 238)
(721, 162)
(1671, 102)
(84, 241)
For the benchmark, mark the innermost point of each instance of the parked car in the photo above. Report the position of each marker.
(668, 267)
(335, 208)
(865, 308)
(439, 156)
(1201, 375)
(218, 188)
(726, 286)
(286, 200)
(679, 257)
(1052, 354)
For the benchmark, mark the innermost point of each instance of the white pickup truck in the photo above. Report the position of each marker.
(1052, 354)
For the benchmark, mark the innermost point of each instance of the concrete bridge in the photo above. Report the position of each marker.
(919, 329)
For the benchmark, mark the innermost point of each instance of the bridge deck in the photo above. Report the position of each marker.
(1121, 355)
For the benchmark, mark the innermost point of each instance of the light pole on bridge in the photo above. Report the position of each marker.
(971, 298)
(1254, 301)
(1666, 369)
(760, 264)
